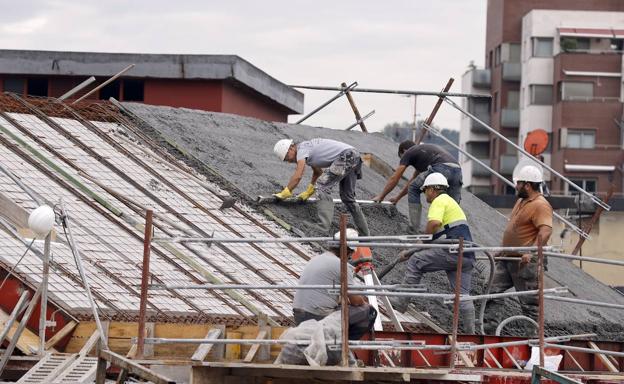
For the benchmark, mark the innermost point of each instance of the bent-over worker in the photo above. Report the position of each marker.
(531, 218)
(426, 159)
(318, 303)
(332, 163)
(446, 220)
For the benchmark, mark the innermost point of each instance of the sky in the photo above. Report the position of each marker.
(393, 44)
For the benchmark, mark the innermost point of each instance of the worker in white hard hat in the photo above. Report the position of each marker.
(530, 220)
(332, 162)
(426, 159)
(324, 269)
(445, 220)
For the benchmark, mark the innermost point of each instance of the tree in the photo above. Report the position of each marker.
(399, 132)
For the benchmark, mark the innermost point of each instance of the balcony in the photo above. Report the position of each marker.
(507, 164)
(477, 127)
(510, 118)
(478, 170)
(512, 71)
(481, 78)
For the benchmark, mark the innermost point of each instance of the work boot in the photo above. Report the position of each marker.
(467, 320)
(415, 212)
(325, 212)
(360, 220)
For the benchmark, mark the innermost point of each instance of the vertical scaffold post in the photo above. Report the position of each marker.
(43, 307)
(540, 282)
(460, 258)
(344, 300)
(147, 243)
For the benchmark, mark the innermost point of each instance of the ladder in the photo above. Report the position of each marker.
(57, 368)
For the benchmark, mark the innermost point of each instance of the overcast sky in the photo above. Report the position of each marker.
(411, 44)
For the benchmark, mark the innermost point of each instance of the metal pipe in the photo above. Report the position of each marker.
(129, 67)
(587, 302)
(458, 273)
(43, 306)
(83, 275)
(560, 290)
(17, 310)
(557, 339)
(145, 272)
(294, 200)
(29, 191)
(539, 163)
(77, 88)
(450, 247)
(361, 120)
(341, 92)
(592, 222)
(397, 287)
(344, 296)
(285, 239)
(395, 91)
(568, 257)
(540, 297)
(576, 229)
(586, 350)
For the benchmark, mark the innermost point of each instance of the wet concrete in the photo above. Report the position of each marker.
(239, 153)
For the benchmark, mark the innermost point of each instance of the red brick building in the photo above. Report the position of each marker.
(554, 65)
(220, 83)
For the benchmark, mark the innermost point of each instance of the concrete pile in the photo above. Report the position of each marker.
(240, 150)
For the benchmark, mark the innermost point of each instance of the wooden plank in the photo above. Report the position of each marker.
(204, 349)
(148, 349)
(512, 358)
(134, 368)
(28, 342)
(251, 355)
(603, 358)
(60, 335)
(92, 342)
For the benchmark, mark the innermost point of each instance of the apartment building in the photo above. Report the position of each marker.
(553, 65)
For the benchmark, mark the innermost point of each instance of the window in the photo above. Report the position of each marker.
(490, 60)
(577, 90)
(14, 85)
(110, 90)
(37, 86)
(513, 99)
(133, 90)
(584, 139)
(542, 46)
(587, 184)
(570, 44)
(541, 94)
(514, 52)
(497, 56)
(495, 102)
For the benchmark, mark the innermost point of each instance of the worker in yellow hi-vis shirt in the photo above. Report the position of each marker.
(445, 220)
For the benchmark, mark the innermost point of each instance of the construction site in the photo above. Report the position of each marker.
(167, 260)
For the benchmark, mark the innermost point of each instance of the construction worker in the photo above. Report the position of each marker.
(446, 220)
(332, 163)
(317, 303)
(426, 159)
(530, 220)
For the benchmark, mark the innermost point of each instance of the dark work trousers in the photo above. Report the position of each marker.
(438, 259)
(452, 173)
(361, 319)
(510, 274)
(344, 171)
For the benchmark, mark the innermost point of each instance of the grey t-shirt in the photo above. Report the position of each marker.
(320, 152)
(321, 269)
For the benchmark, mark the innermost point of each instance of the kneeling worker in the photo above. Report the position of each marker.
(446, 220)
(317, 303)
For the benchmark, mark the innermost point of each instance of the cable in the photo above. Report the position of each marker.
(15, 266)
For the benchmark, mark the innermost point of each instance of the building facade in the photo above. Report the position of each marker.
(554, 65)
(220, 83)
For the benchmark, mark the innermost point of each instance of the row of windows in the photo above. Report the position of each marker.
(133, 89)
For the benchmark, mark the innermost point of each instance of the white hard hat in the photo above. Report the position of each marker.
(351, 233)
(41, 220)
(281, 148)
(529, 173)
(434, 178)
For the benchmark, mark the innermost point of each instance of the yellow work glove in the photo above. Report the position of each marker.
(285, 194)
(305, 195)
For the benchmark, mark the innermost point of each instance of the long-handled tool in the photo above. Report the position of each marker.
(294, 200)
